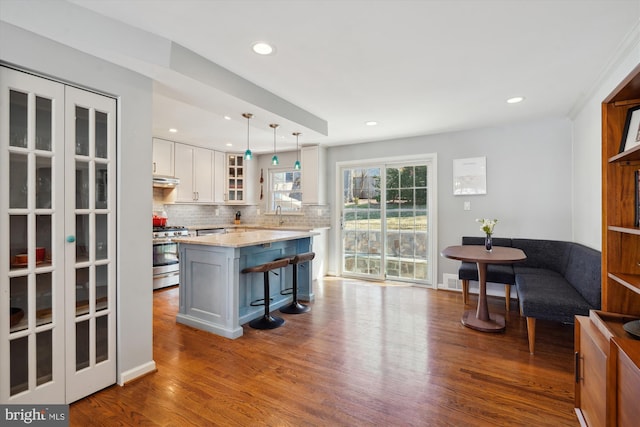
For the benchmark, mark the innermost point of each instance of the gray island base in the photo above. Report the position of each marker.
(216, 297)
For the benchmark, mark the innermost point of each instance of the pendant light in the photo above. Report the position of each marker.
(296, 165)
(247, 154)
(274, 159)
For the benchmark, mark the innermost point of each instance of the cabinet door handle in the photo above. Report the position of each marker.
(154, 167)
(577, 366)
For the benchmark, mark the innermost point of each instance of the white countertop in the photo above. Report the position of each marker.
(284, 227)
(246, 238)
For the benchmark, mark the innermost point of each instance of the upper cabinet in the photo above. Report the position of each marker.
(163, 152)
(235, 179)
(195, 168)
(200, 170)
(313, 166)
(219, 169)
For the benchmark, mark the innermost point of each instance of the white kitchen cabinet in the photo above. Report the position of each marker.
(235, 179)
(57, 241)
(163, 157)
(195, 168)
(219, 178)
(312, 158)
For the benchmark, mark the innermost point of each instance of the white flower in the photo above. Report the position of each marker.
(487, 224)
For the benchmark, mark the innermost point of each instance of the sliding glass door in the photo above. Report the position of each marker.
(386, 232)
(362, 229)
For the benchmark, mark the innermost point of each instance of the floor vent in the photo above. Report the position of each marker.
(451, 282)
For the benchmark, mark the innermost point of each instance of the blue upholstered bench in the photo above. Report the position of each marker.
(556, 282)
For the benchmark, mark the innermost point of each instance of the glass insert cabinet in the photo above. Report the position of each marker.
(57, 240)
(235, 178)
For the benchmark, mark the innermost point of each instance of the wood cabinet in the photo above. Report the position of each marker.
(607, 357)
(163, 163)
(195, 168)
(625, 368)
(58, 245)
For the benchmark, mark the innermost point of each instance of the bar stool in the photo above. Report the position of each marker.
(295, 307)
(267, 321)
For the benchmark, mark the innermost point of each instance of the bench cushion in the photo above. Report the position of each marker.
(549, 297)
(496, 273)
(548, 254)
(583, 272)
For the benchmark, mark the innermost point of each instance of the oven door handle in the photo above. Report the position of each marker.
(164, 276)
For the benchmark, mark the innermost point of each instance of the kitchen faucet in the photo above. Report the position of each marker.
(279, 215)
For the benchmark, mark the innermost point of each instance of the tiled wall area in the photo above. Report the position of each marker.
(314, 216)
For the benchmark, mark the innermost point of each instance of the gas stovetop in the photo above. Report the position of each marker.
(169, 231)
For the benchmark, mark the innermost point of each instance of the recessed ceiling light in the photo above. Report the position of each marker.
(515, 99)
(371, 123)
(229, 144)
(173, 130)
(227, 118)
(263, 48)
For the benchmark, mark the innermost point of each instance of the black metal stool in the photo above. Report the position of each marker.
(295, 307)
(267, 321)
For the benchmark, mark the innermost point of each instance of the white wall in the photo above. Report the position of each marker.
(587, 143)
(528, 181)
(135, 304)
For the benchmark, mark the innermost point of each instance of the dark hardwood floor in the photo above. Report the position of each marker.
(366, 354)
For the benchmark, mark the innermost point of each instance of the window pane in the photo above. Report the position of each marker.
(18, 185)
(286, 190)
(43, 123)
(82, 131)
(101, 134)
(18, 119)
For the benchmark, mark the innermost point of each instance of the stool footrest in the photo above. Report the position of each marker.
(257, 302)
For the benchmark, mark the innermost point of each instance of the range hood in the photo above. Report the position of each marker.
(162, 181)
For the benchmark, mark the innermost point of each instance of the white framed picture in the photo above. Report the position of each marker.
(631, 132)
(470, 176)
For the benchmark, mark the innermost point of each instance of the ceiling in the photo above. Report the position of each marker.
(416, 67)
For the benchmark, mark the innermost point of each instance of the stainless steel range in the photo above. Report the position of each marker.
(166, 265)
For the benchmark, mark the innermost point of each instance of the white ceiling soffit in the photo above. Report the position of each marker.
(417, 67)
(187, 86)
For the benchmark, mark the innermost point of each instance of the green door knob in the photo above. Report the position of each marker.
(71, 239)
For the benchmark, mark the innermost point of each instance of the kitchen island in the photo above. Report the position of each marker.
(216, 297)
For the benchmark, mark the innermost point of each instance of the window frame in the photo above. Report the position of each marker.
(272, 203)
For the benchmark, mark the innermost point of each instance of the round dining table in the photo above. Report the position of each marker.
(481, 319)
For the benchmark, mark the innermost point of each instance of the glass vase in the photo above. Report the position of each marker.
(488, 242)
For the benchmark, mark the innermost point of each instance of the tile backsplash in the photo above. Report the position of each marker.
(315, 216)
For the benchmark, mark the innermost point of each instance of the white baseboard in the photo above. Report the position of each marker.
(136, 372)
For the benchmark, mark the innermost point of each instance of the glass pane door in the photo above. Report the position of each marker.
(385, 222)
(90, 225)
(362, 232)
(406, 213)
(32, 205)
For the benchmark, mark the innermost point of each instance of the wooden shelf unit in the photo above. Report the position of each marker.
(607, 357)
(621, 236)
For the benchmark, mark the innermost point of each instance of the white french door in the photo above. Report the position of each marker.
(90, 253)
(57, 248)
(386, 221)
